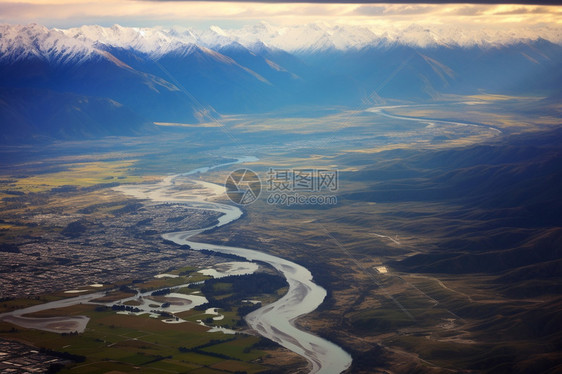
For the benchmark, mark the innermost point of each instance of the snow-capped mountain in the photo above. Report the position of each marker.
(18, 43)
(76, 44)
(146, 40)
(319, 37)
(176, 74)
(297, 39)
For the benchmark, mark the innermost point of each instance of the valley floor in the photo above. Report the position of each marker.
(442, 253)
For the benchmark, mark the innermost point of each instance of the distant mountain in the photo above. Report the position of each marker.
(177, 75)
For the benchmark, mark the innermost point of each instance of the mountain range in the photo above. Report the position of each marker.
(92, 80)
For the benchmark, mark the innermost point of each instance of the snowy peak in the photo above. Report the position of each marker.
(35, 41)
(320, 36)
(17, 42)
(214, 37)
(146, 40)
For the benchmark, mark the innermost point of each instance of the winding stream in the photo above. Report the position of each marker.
(275, 321)
(382, 112)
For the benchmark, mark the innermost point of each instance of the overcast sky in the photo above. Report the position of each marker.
(69, 13)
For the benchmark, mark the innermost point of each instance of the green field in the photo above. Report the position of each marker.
(132, 343)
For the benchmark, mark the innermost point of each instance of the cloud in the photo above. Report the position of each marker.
(394, 10)
(422, 2)
(525, 10)
(68, 13)
(19, 10)
(469, 10)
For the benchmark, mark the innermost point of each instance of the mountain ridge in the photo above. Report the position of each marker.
(173, 75)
